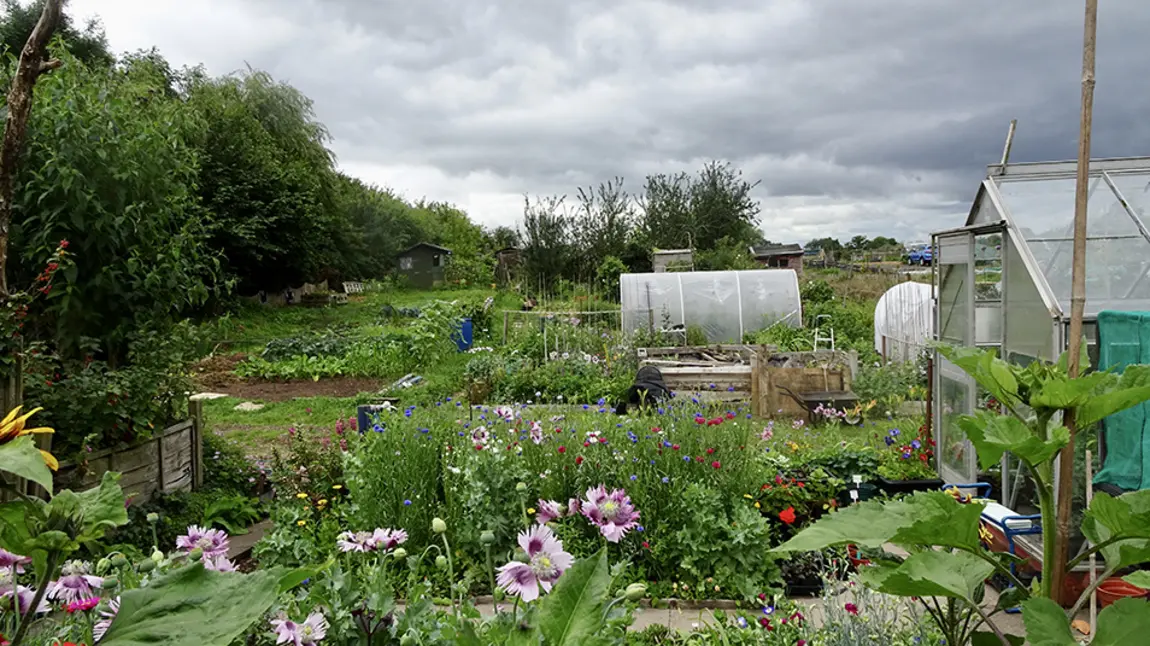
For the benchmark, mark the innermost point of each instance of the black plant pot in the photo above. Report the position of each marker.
(901, 487)
(809, 587)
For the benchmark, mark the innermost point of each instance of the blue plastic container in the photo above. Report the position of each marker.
(464, 335)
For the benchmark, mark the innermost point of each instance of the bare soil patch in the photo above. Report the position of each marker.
(272, 391)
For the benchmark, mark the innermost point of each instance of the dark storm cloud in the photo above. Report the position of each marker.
(867, 115)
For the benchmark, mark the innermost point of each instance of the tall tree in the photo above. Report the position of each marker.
(267, 180)
(546, 239)
(17, 20)
(602, 224)
(722, 206)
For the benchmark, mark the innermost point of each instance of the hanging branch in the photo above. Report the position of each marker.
(33, 63)
(1077, 305)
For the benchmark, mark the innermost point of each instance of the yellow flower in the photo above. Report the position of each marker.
(748, 496)
(301, 523)
(322, 502)
(13, 427)
(301, 495)
(337, 487)
(758, 505)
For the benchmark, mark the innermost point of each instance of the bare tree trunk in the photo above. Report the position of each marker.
(32, 65)
(1065, 477)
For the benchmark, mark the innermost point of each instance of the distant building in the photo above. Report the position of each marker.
(779, 256)
(424, 264)
(663, 260)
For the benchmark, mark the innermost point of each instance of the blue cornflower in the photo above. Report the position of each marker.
(634, 477)
(666, 480)
(406, 503)
(916, 444)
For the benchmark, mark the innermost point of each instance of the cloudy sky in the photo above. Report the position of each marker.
(857, 116)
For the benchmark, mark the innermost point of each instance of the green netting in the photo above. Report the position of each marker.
(1124, 340)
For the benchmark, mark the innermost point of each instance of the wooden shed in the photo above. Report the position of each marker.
(424, 264)
(507, 262)
(780, 256)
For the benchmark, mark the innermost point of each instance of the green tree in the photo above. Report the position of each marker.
(89, 44)
(601, 225)
(826, 244)
(267, 181)
(107, 169)
(683, 211)
(546, 236)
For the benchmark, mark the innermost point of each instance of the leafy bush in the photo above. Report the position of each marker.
(327, 344)
(890, 384)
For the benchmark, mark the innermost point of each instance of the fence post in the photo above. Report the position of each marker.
(506, 319)
(196, 412)
(930, 397)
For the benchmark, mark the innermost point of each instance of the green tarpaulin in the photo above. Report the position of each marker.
(1124, 340)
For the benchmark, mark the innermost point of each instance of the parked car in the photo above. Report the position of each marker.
(923, 255)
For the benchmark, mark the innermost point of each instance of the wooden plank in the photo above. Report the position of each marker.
(196, 411)
(756, 392)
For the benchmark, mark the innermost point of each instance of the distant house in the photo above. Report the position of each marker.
(779, 256)
(663, 260)
(423, 264)
(507, 261)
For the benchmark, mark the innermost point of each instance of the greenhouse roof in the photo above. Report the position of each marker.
(1037, 202)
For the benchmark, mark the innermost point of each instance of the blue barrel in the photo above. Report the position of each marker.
(464, 335)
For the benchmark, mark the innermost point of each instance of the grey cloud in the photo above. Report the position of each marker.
(880, 102)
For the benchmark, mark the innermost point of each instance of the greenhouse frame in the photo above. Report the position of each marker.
(725, 305)
(1003, 280)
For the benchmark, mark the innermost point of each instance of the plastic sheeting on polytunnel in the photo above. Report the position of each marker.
(904, 321)
(725, 305)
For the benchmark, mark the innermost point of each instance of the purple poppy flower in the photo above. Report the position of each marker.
(546, 561)
(574, 507)
(8, 560)
(612, 512)
(75, 583)
(916, 444)
(309, 633)
(106, 618)
(387, 539)
(536, 432)
(212, 542)
(355, 542)
(549, 510)
(219, 564)
(24, 597)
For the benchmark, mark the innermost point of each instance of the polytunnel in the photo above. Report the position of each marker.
(725, 305)
(904, 321)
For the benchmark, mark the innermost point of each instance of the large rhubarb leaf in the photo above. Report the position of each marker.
(932, 574)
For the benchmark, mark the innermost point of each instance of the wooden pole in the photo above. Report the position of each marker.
(1093, 560)
(1009, 142)
(1065, 478)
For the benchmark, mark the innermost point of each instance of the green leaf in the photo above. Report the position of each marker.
(1126, 520)
(1083, 359)
(21, 458)
(1126, 621)
(926, 518)
(1131, 389)
(990, 639)
(1046, 623)
(1012, 597)
(573, 612)
(994, 375)
(931, 574)
(14, 531)
(193, 607)
(102, 508)
(1058, 391)
(992, 435)
(1141, 578)
(297, 576)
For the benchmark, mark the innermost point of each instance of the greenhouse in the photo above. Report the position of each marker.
(904, 321)
(1003, 280)
(724, 305)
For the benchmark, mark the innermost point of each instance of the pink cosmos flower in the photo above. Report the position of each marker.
(106, 618)
(387, 539)
(8, 561)
(355, 542)
(219, 564)
(75, 583)
(212, 542)
(546, 561)
(612, 512)
(309, 633)
(549, 510)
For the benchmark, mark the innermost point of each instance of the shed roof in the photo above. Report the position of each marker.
(769, 251)
(425, 244)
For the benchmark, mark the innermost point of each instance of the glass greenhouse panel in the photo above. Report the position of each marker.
(723, 304)
(1116, 251)
(956, 457)
(1028, 330)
